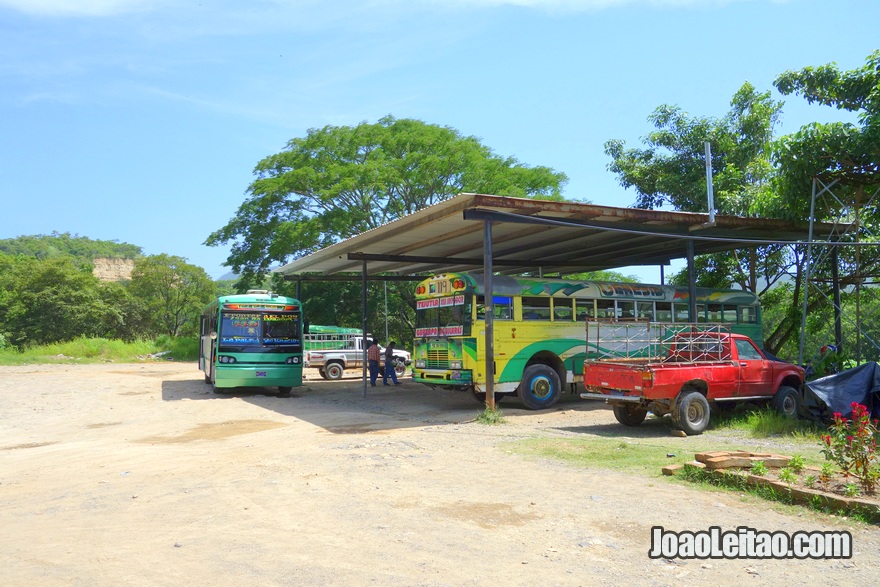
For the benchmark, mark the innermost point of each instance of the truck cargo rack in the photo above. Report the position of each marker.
(640, 342)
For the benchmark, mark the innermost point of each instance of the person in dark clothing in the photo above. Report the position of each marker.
(389, 365)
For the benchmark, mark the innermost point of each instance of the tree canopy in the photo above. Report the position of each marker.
(758, 175)
(339, 181)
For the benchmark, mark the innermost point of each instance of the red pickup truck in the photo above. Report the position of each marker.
(698, 373)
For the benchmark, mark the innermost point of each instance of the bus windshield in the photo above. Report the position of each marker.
(444, 316)
(258, 330)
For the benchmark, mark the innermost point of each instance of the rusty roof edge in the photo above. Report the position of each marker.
(437, 211)
(532, 206)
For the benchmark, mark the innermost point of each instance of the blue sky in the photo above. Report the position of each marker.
(142, 120)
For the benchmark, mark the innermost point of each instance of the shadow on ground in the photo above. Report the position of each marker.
(341, 407)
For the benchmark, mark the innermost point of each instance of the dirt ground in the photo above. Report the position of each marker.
(137, 474)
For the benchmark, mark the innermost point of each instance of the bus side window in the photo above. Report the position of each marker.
(586, 310)
(748, 315)
(645, 311)
(536, 308)
(562, 310)
(664, 312)
(605, 310)
(729, 314)
(502, 305)
(626, 311)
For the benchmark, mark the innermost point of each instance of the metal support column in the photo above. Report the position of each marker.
(489, 303)
(692, 282)
(364, 323)
(806, 286)
(835, 284)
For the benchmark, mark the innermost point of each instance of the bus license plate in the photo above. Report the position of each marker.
(261, 373)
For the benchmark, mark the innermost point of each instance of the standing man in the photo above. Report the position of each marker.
(389, 365)
(373, 361)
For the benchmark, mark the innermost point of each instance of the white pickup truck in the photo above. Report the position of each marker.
(332, 354)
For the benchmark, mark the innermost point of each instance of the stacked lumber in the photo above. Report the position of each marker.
(730, 459)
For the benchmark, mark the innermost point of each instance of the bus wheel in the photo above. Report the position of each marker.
(539, 388)
(630, 414)
(692, 413)
(480, 396)
(334, 371)
(285, 390)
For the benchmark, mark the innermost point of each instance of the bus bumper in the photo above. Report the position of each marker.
(228, 376)
(443, 376)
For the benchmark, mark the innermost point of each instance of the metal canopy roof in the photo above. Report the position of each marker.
(532, 235)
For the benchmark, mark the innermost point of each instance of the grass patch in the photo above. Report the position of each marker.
(644, 458)
(491, 417)
(764, 422)
(102, 350)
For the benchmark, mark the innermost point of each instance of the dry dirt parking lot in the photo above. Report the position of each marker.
(137, 474)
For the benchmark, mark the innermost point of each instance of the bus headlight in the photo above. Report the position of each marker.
(292, 360)
(227, 360)
(420, 363)
(455, 365)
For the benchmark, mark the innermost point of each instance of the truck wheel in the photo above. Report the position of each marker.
(334, 371)
(692, 413)
(630, 414)
(322, 373)
(539, 388)
(787, 401)
(400, 369)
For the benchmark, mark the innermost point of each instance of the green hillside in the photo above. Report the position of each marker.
(61, 244)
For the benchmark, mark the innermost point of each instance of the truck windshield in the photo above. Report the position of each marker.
(258, 330)
(445, 316)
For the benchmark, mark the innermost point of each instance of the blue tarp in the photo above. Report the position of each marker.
(837, 392)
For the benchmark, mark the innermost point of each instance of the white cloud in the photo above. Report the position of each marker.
(79, 7)
(99, 8)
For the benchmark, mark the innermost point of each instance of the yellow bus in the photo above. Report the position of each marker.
(540, 328)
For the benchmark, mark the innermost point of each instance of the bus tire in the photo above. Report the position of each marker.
(285, 390)
(787, 401)
(334, 370)
(691, 413)
(539, 388)
(630, 414)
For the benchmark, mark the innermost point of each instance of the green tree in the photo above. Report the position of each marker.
(671, 171)
(840, 154)
(337, 182)
(173, 293)
(51, 300)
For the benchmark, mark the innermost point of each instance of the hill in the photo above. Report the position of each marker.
(55, 244)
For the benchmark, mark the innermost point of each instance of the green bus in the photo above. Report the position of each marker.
(252, 340)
